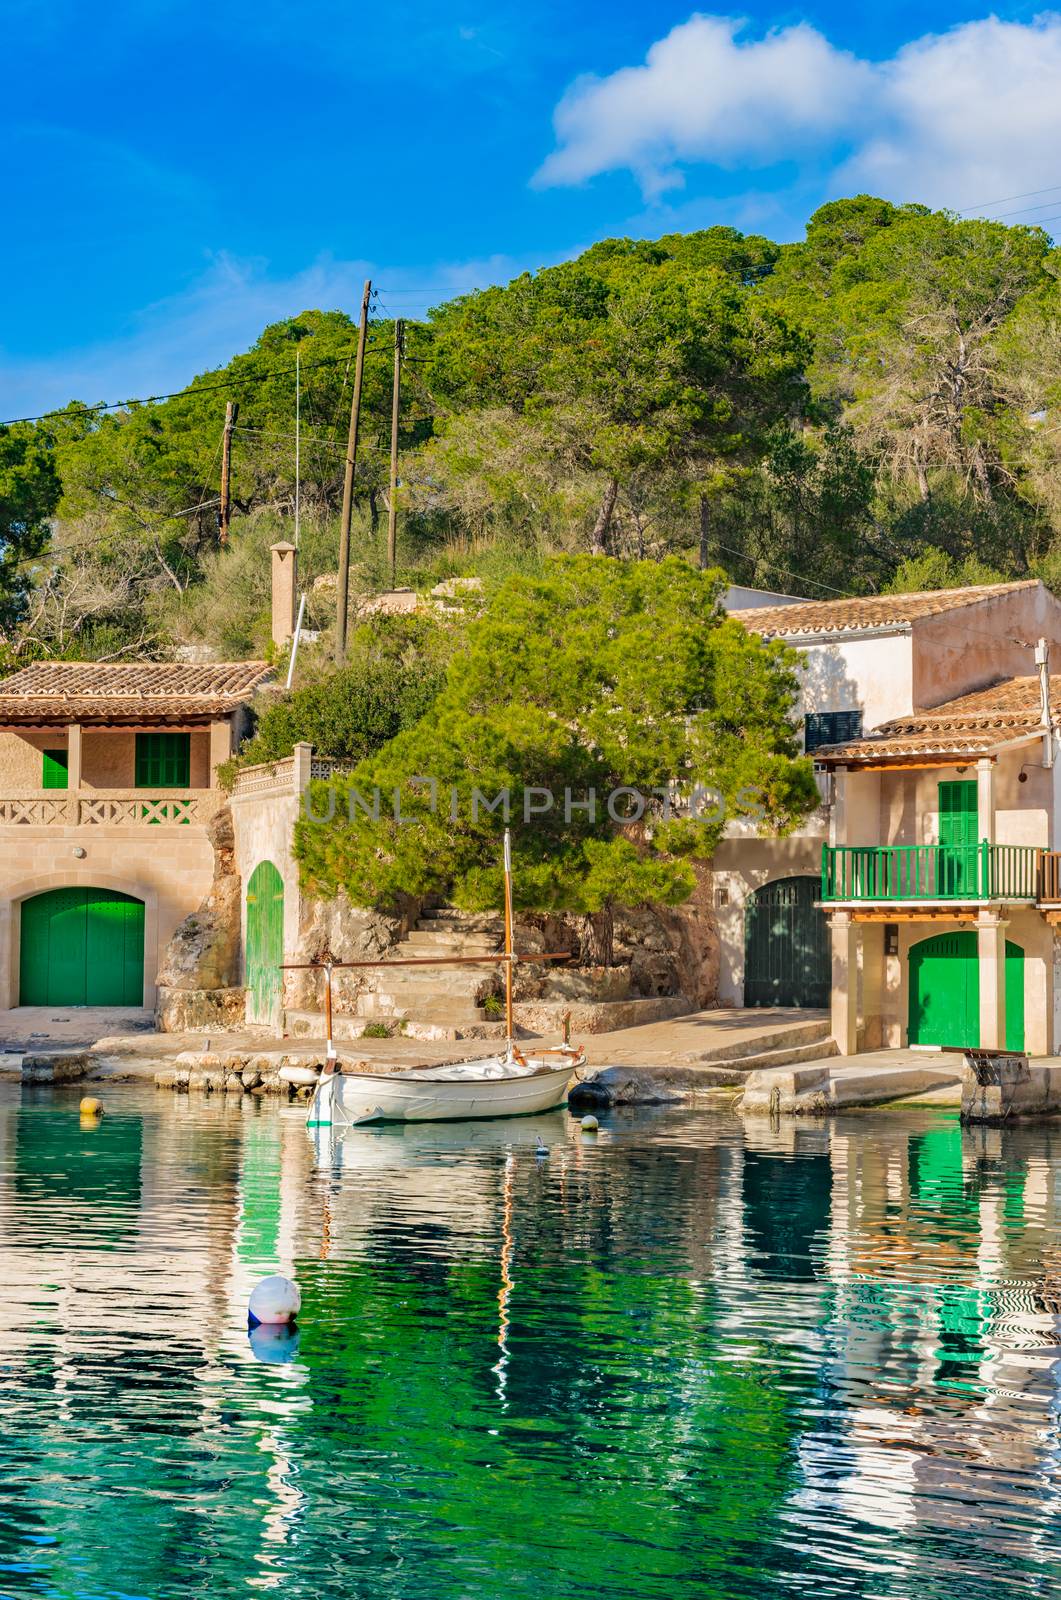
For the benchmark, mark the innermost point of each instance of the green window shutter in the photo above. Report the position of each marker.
(163, 760)
(54, 769)
(957, 813)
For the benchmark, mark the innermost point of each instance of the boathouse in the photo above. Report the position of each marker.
(108, 783)
(914, 895)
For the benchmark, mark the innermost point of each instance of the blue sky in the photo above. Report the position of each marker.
(180, 173)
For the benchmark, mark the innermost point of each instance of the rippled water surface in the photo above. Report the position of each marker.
(682, 1359)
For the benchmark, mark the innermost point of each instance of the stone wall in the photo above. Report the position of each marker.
(199, 977)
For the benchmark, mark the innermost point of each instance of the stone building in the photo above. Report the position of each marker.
(918, 902)
(108, 788)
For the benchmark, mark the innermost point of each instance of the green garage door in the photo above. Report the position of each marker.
(82, 947)
(945, 992)
(787, 959)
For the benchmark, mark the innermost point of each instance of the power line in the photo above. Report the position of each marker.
(76, 408)
(743, 555)
(1028, 194)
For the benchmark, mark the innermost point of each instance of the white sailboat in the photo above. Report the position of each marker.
(509, 1084)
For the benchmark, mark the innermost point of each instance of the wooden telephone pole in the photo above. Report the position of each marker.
(224, 512)
(392, 509)
(342, 598)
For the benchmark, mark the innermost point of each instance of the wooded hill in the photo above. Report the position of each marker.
(876, 406)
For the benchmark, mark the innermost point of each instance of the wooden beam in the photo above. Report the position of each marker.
(913, 766)
(958, 914)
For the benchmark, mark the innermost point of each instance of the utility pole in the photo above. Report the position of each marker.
(392, 510)
(224, 513)
(342, 598)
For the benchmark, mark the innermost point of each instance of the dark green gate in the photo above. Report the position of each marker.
(265, 943)
(81, 947)
(786, 945)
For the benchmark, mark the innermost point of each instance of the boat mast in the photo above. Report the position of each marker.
(508, 935)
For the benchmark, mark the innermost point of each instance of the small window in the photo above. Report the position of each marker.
(830, 727)
(163, 760)
(55, 769)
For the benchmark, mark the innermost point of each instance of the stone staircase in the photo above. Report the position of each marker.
(437, 1002)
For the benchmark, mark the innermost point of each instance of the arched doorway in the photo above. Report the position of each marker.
(81, 947)
(265, 943)
(786, 945)
(944, 983)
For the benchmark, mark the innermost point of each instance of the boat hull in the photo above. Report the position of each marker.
(356, 1098)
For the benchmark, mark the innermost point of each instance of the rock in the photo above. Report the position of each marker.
(346, 933)
(595, 984)
(202, 957)
(250, 1077)
(200, 1010)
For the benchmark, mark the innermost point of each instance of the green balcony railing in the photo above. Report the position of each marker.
(899, 872)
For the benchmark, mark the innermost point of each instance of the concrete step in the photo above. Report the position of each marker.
(737, 1069)
(379, 1007)
(470, 921)
(449, 941)
(820, 1087)
(786, 1035)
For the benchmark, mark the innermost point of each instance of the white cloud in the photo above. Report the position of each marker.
(951, 119)
(967, 116)
(219, 314)
(703, 95)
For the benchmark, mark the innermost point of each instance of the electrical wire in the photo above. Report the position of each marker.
(76, 409)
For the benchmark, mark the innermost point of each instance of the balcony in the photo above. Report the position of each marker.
(96, 808)
(902, 874)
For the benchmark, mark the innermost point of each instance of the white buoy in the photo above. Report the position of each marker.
(275, 1300)
(589, 1124)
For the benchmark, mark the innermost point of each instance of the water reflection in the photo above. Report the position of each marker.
(685, 1358)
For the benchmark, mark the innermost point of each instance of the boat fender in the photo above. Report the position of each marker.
(91, 1107)
(276, 1300)
(589, 1125)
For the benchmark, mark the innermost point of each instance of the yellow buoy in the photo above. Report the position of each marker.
(91, 1107)
(589, 1124)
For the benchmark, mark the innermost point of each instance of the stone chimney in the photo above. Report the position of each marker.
(285, 583)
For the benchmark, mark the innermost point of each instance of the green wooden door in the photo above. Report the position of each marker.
(786, 946)
(265, 942)
(944, 974)
(958, 818)
(1014, 997)
(82, 947)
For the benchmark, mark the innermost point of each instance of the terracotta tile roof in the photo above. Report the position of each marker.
(140, 691)
(870, 611)
(972, 725)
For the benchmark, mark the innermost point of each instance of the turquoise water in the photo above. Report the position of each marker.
(682, 1359)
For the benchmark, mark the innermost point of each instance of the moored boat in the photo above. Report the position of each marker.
(497, 1086)
(508, 1084)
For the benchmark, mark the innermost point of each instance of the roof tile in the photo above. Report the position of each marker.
(971, 725)
(104, 691)
(868, 611)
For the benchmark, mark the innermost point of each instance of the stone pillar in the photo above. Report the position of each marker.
(303, 765)
(844, 932)
(991, 952)
(874, 987)
(838, 810)
(285, 582)
(220, 747)
(73, 756)
(985, 800)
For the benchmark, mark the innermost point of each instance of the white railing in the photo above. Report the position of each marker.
(94, 808)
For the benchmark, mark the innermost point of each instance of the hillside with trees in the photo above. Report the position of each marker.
(875, 406)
